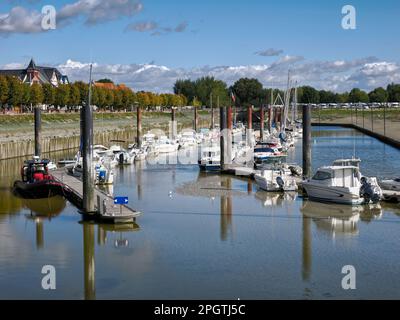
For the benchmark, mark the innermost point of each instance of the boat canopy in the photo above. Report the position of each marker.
(339, 176)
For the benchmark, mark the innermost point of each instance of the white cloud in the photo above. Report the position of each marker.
(334, 75)
(98, 11)
(21, 20)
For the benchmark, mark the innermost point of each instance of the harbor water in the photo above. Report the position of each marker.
(207, 236)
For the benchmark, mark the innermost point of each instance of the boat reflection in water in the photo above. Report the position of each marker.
(89, 249)
(275, 199)
(41, 210)
(339, 219)
(9, 204)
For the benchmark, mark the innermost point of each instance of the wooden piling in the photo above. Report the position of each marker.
(223, 126)
(38, 131)
(270, 118)
(139, 126)
(262, 122)
(212, 112)
(195, 122)
(250, 117)
(173, 127)
(88, 174)
(306, 141)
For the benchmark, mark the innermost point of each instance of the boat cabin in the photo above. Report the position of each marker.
(338, 176)
(347, 162)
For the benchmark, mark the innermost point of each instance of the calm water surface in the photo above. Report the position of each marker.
(194, 241)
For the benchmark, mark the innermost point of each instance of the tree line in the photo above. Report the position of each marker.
(251, 92)
(14, 93)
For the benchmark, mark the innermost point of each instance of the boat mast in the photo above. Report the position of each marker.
(286, 104)
(294, 108)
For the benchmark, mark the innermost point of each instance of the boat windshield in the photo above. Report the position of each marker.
(322, 175)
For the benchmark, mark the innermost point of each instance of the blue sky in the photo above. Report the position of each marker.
(217, 33)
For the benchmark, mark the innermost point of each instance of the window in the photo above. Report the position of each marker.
(321, 175)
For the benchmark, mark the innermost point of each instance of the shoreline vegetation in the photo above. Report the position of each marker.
(20, 127)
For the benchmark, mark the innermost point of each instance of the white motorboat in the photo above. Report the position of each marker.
(187, 139)
(275, 180)
(165, 145)
(99, 151)
(210, 159)
(148, 139)
(390, 184)
(265, 152)
(342, 184)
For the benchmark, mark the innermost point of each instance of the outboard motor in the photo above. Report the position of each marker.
(370, 191)
(121, 158)
(296, 170)
(280, 182)
(282, 137)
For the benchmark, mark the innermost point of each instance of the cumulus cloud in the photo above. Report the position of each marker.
(329, 75)
(99, 11)
(271, 52)
(21, 20)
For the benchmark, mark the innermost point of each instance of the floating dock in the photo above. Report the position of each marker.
(106, 210)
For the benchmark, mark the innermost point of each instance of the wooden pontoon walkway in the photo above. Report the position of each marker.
(106, 210)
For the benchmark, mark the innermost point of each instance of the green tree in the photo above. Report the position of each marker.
(378, 95)
(74, 95)
(207, 86)
(356, 95)
(4, 90)
(26, 94)
(109, 97)
(393, 91)
(16, 92)
(127, 98)
(36, 95)
(118, 99)
(196, 102)
(309, 95)
(63, 95)
(248, 92)
(49, 94)
(83, 91)
(327, 96)
(185, 87)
